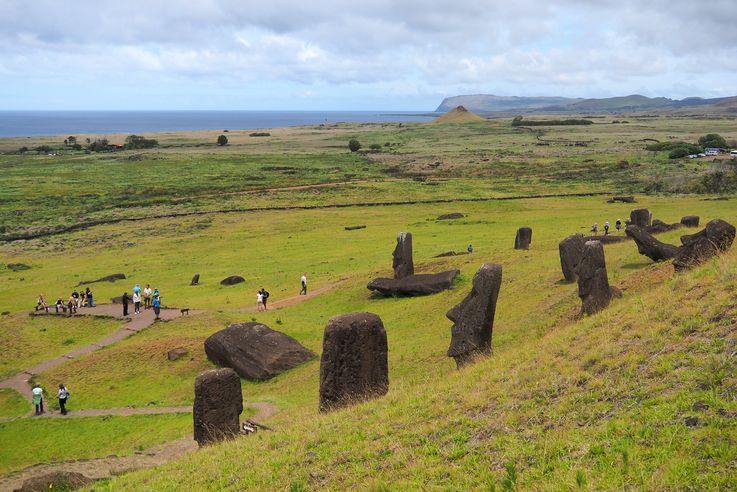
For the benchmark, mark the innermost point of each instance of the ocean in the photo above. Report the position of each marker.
(38, 123)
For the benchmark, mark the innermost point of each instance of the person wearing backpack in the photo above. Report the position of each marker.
(63, 396)
(264, 297)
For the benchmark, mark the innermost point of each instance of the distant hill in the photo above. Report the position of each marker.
(458, 115)
(510, 104)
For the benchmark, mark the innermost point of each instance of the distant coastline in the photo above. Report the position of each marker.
(14, 124)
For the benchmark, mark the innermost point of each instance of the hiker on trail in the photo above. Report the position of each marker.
(41, 303)
(595, 228)
(137, 301)
(303, 292)
(470, 249)
(90, 301)
(156, 292)
(60, 305)
(125, 303)
(38, 398)
(606, 228)
(618, 225)
(157, 305)
(63, 396)
(147, 297)
(264, 297)
(259, 301)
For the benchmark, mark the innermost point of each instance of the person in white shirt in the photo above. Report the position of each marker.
(304, 284)
(259, 301)
(63, 396)
(136, 302)
(38, 399)
(147, 297)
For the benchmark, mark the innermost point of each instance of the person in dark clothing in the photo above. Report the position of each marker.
(63, 396)
(90, 300)
(264, 297)
(125, 304)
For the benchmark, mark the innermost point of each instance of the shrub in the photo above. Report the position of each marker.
(354, 145)
(222, 140)
(139, 142)
(259, 134)
(375, 146)
(713, 140)
(99, 145)
(43, 149)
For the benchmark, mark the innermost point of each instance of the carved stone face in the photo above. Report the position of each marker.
(402, 262)
(473, 317)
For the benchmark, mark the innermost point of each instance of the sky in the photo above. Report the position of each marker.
(357, 55)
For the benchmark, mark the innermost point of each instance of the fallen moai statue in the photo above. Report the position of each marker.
(641, 217)
(473, 317)
(715, 238)
(402, 263)
(523, 238)
(622, 199)
(593, 284)
(649, 246)
(354, 364)
(451, 216)
(108, 278)
(255, 351)
(571, 250)
(659, 226)
(414, 285)
(232, 280)
(218, 403)
(690, 221)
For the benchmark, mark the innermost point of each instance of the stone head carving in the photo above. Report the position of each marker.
(473, 317)
(402, 257)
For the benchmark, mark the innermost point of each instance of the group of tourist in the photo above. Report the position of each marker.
(151, 300)
(262, 297)
(62, 395)
(76, 301)
(617, 225)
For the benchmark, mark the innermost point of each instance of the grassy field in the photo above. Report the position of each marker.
(596, 403)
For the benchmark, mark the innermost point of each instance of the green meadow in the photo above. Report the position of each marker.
(596, 402)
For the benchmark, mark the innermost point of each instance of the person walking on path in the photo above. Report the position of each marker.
(595, 228)
(470, 249)
(157, 305)
(618, 225)
(606, 228)
(137, 302)
(38, 398)
(303, 292)
(264, 297)
(90, 300)
(63, 396)
(259, 301)
(125, 304)
(147, 297)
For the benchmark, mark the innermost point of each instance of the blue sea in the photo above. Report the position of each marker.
(35, 123)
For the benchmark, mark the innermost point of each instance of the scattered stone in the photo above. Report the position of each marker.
(649, 246)
(195, 279)
(354, 363)
(622, 199)
(354, 228)
(473, 317)
(16, 267)
(255, 351)
(641, 217)
(523, 238)
(232, 280)
(593, 284)
(715, 238)
(455, 215)
(5, 313)
(571, 250)
(176, 353)
(699, 406)
(109, 278)
(414, 285)
(692, 421)
(59, 480)
(659, 226)
(690, 221)
(451, 253)
(403, 265)
(218, 403)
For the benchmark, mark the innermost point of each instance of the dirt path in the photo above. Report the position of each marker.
(109, 466)
(291, 301)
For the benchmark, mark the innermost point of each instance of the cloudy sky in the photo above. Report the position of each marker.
(382, 54)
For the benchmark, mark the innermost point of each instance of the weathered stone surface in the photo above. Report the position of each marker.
(195, 279)
(455, 215)
(218, 403)
(571, 250)
(177, 353)
(414, 285)
(355, 228)
(473, 317)
(523, 238)
(715, 238)
(604, 240)
(255, 351)
(690, 221)
(659, 226)
(451, 253)
(403, 264)
(649, 246)
(60, 480)
(17, 267)
(108, 278)
(232, 280)
(593, 284)
(641, 217)
(622, 199)
(354, 362)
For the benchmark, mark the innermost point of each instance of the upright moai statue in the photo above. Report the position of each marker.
(403, 264)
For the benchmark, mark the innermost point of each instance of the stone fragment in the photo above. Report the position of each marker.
(690, 220)
(232, 280)
(176, 353)
(255, 351)
(455, 215)
(570, 250)
(473, 317)
(218, 403)
(354, 363)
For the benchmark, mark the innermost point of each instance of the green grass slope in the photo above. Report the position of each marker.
(641, 395)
